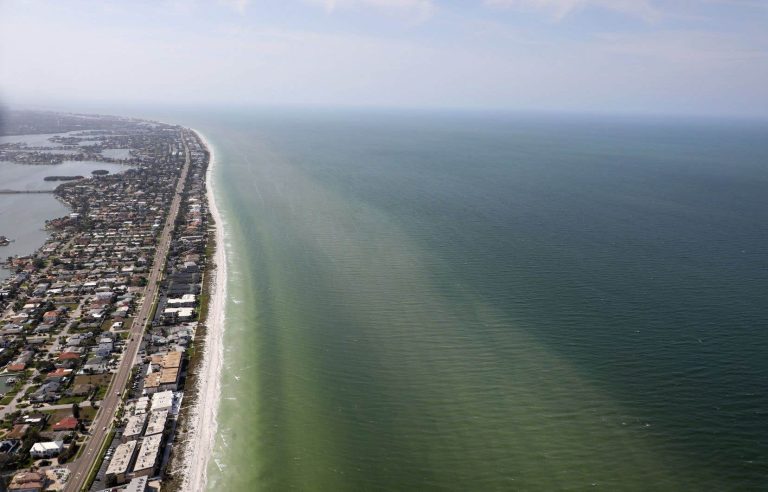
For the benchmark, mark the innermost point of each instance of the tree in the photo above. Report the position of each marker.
(76, 410)
(45, 366)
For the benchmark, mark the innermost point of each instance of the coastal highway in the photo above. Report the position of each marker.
(106, 415)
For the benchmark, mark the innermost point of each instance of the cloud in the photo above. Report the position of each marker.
(238, 5)
(559, 9)
(700, 48)
(420, 9)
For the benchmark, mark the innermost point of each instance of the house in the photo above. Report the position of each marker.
(47, 392)
(121, 312)
(59, 373)
(36, 420)
(43, 328)
(40, 289)
(27, 482)
(104, 348)
(12, 329)
(37, 340)
(51, 317)
(46, 449)
(68, 356)
(19, 318)
(95, 365)
(21, 361)
(75, 340)
(66, 424)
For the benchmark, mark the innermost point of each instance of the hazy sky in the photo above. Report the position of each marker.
(681, 56)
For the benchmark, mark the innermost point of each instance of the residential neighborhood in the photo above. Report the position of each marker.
(97, 325)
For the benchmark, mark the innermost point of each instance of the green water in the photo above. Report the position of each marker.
(477, 302)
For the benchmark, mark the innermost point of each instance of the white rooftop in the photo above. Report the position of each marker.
(156, 424)
(162, 400)
(122, 458)
(135, 425)
(148, 452)
(40, 447)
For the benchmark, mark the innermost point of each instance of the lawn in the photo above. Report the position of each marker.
(94, 379)
(71, 399)
(107, 324)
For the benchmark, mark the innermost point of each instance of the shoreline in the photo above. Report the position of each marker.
(202, 424)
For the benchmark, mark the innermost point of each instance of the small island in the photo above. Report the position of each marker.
(62, 178)
(100, 172)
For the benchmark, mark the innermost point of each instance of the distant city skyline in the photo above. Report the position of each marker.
(674, 56)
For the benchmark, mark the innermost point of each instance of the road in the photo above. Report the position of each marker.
(106, 414)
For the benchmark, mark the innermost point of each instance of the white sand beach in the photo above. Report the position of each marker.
(202, 418)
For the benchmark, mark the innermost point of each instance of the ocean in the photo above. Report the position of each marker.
(455, 301)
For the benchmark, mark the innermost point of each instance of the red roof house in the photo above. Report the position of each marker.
(66, 424)
(59, 373)
(68, 356)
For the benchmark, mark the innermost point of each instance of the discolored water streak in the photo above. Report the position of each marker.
(486, 302)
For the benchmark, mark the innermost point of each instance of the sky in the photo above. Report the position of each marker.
(650, 56)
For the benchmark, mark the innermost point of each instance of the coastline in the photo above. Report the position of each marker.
(198, 446)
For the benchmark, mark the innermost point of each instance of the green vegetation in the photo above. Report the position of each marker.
(94, 379)
(71, 399)
(69, 453)
(101, 392)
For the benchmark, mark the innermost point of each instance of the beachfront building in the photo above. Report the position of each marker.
(134, 427)
(162, 400)
(156, 422)
(186, 300)
(148, 454)
(141, 405)
(138, 484)
(121, 462)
